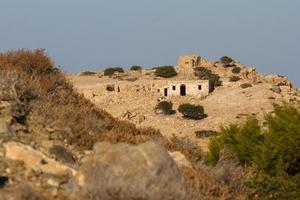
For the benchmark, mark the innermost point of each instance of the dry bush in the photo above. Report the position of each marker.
(203, 186)
(165, 71)
(191, 150)
(122, 131)
(87, 73)
(234, 79)
(230, 172)
(226, 180)
(246, 85)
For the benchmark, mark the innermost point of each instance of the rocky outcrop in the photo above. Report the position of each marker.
(180, 159)
(278, 80)
(122, 171)
(35, 160)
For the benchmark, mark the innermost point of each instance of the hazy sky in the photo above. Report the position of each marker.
(94, 34)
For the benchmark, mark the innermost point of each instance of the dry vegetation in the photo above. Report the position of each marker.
(45, 98)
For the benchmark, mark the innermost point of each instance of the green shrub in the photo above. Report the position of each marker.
(165, 71)
(192, 111)
(245, 85)
(110, 88)
(165, 107)
(206, 74)
(273, 153)
(216, 145)
(234, 79)
(279, 155)
(110, 71)
(205, 133)
(62, 154)
(240, 140)
(136, 68)
(283, 137)
(226, 60)
(236, 70)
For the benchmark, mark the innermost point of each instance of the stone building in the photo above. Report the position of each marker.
(186, 88)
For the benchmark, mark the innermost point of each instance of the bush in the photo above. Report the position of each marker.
(165, 107)
(62, 154)
(205, 133)
(236, 70)
(234, 79)
(274, 153)
(226, 60)
(241, 140)
(87, 73)
(216, 146)
(283, 138)
(192, 111)
(245, 85)
(110, 88)
(206, 74)
(165, 71)
(110, 71)
(136, 68)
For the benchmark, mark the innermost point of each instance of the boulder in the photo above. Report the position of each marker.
(180, 159)
(122, 171)
(35, 160)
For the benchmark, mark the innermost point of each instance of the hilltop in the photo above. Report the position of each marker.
(228, 103)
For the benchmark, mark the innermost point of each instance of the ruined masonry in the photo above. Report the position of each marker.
(184, 84)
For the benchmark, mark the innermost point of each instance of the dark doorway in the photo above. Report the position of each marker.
(182, 90)
(166, 92)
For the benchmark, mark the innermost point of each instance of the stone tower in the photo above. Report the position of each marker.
(187, 63)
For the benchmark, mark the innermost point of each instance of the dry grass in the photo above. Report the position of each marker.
(204, 186)
(224, 181)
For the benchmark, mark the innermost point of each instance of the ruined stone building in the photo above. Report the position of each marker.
(184, 84)
(187, 63)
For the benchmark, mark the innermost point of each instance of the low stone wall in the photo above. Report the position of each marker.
(160, 87)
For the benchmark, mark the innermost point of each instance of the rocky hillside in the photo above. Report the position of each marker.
(55, 144)
(253, 94)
